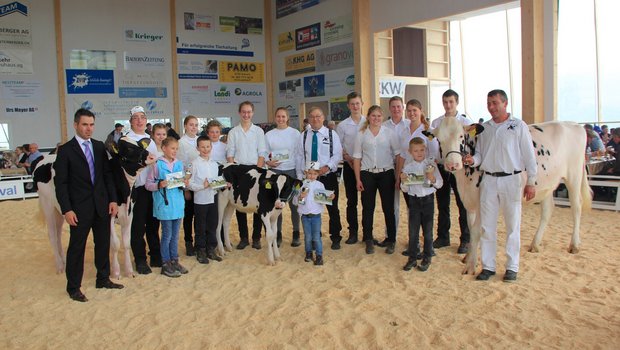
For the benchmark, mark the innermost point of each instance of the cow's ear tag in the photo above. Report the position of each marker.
(113, 147)
(472, 133)
(144, 143)
(268, 185)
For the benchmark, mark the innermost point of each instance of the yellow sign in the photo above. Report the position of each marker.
(299, 63)
(286, 41)
(241, 72)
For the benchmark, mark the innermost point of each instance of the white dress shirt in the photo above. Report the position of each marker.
(419, 168)
(280, 140)
(461, 117)
(246, 147)
(432, 146)
(310, 206)
(376, 151)
(203, 169)
(187, 149)
(323, 150)
(218, 152)
(152, 148)
(506, 147)
(397, 128)
(347, 131)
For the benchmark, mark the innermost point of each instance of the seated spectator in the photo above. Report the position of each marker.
(24, 157)
(594, 143)
(34, 158)
(604, 134)
(613, 145)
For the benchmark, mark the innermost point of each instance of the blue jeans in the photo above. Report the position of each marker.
(312, 232)
(170, 239)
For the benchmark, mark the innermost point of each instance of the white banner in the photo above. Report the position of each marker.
(15, 61)
(143, 61)
(391, 87)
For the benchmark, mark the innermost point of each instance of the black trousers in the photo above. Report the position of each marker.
(330, 181)
(242, 222)
(77, 246)
(142, 224)
(384, 183)
(351, 192)
(421, 211)
(443, 206)
(205, 225)
(188, 218)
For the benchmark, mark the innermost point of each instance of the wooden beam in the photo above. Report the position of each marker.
(532, 42)
(60, 72)
(267, 29)
(176, 108)
(362, 45)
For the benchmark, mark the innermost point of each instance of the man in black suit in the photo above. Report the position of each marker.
(87, 198)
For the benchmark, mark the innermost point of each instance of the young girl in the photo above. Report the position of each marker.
(218, 148)
(420, 196)
(205, 206)
(187, 153)
(158, 134)
(311, 213)
(168, 206)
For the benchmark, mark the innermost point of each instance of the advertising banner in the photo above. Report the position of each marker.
(337, 29)
(21, 89)
(14, 61)
(90, 81)
(290, 89)
(241, 25)
(392, 87)
(144, 35)
(241, 72)
(299, 63)
(287, 7)
(197, 67)
(335, 57)
(338, 108)
(119, 108)
(286, 41)
(15, 31)
(143, 61)
(314, 85)
(308, 36)
(340, 83)
(92, 59)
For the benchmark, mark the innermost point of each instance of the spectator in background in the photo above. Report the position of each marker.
(481, 120)
(34, 158)
(116, 134)
(613, 145)
(331, 125)
(594, 143)
(171, 131)
(19, 152)
(149, 129)
(605, 135)
(24, 157)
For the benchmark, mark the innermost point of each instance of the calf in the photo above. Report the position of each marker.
(254, 190)
(559, 148)
(128, 159)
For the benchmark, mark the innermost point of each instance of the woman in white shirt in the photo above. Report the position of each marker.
(281, 147)
(376, 147)
(186, 153)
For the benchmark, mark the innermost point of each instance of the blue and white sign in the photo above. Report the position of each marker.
(145, 92)
(11, 189)
(90, 81)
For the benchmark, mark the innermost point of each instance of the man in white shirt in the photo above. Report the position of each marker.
(450, 101)
(246, 145)
(348, 130)
(143, 222)
(398, 123)
(327, 150)
(503, 151)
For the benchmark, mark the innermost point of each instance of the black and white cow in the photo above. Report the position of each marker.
(559, 148)
(128, 159)
(254, 190)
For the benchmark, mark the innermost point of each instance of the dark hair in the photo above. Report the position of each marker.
(497, 92)
(353, 95)
(82, 112)
(396, 98)
(158, 126)
(246, 103)
(118, 125)
(202, 138)
(168, 140)
(449, 93)
(168, 124)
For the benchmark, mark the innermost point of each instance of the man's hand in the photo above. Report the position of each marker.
(113, 209)
(468, 160)
(71, 218)
(529, 192)
(324, 170)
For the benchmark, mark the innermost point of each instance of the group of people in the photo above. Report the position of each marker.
(385, 156)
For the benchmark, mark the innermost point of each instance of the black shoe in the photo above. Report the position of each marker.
(440, 243)
(212, 255)
(296, 242)
(463, 249)
(201, 256)
(390, 248)
(510, 276)
(107, 284)
(189, 249)
(319, 260)
(308, 257)
(335, 245)
(485, 275)
(256, 244)
(242, 244)
(351, 240)
(425, 264)
(411, 263)
(370, 247)
(382, 244)
(78, 296)
(142, 268)
(156, 262)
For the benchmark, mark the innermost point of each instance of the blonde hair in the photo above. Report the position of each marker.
(372, 109)
(418, 104)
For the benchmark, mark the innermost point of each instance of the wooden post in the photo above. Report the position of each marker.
(532, 42)
(267, 28)
(62, 107)
(176, 109)
(363, 61)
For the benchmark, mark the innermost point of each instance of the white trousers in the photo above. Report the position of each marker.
(500, 194)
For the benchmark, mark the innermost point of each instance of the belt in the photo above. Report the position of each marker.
(377, 170)
(502, 174)
(418, 197)
(310, 215)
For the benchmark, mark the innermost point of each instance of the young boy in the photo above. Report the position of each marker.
(205, 206)
(310, 212)
(421, 202)
(218, 148)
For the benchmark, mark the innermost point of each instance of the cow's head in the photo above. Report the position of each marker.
(131, 154)
(283, 185)
(455, 140)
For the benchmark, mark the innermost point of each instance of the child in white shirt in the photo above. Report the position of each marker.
(420, 195)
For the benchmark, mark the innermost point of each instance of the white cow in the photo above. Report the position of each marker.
(559, 148)
(254, 190)
(128, 159)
